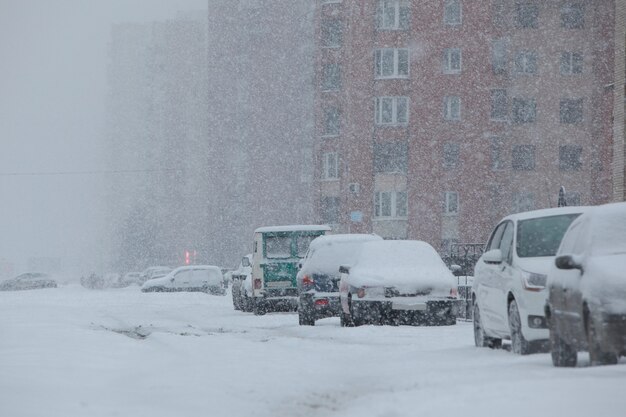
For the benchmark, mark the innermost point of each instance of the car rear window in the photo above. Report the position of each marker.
(278, 247)
(542, 236)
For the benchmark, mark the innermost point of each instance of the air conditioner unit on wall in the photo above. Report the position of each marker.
(354, 188)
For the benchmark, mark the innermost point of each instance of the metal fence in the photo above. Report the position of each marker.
(464, 255)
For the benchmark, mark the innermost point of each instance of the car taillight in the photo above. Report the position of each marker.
(360, 292)
(321, 302)
(257, 284)
(454, 292)
(307, 281)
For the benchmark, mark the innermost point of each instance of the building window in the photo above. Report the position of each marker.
(571, 63)
(524, 110)
(523, 158)
(452, 13)
(332, 33)
(330, 167)
(573, 16)
(572, 111)
(329, 210)
(391, 157)
(452, 108)
(497, 155)
(499, 56)
(392, 110)
(526, 62)
(570, 158)
(499, 104)
(392, 15)
(452, 61)
(527, 15)
(332, 122)
(390, 204)
(451, 203)
(331, 80)
(391, 63)
(523, 202)
(451, 153)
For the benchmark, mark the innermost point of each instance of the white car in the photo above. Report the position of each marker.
(238, 276)
(318, 277)
(509, 293)
(28, 281)
(397, 282)
(206, 278)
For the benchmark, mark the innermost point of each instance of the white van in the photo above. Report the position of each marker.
(509, 292)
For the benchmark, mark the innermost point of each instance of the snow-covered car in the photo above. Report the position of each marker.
(318, 278)
(206, 278)
(238, 276)
(28, 281)
(154, 272)
(586, 306)
(508, 293)
(131, 278)
(397, 282)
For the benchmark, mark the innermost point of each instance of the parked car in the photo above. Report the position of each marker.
(131, 278)
(508, 293)
(206, 278)
(318, 278)
(397, 282)
(238, 276)
(28, 281)
(277, 251)
(154, 272)
(586, 305)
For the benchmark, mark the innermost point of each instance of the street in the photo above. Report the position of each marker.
(119, 352)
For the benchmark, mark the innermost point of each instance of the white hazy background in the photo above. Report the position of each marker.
(53, 63)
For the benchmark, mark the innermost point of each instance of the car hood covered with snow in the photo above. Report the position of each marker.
(408, 266)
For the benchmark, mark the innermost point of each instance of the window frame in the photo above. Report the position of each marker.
(379, 60)
(397, 5)
(448, 54)
(572, 63)
(519, 154)
(455, 19)
(448, 197)
(330, 166)
(448, 106)
(527, 62)
(393, 205)
(379, 107)
(572, 105)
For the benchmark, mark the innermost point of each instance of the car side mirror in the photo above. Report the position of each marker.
(344, 269)
(172, 279)
(567, 262)
(456, 269)
(494, 257)
(299, 265)
(245, 261)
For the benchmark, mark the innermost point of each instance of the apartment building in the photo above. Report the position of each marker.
(436, 118)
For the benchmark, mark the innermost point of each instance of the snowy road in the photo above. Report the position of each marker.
(74, 352)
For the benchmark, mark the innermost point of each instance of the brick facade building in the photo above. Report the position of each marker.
(436, 118)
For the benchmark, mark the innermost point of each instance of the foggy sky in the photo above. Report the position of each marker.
(53, 57)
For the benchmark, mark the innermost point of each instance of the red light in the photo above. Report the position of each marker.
(187, 257)
(307, 281)
(321, 302)
(454, 292)
(257, 284)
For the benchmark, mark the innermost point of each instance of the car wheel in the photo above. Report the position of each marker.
(563, 355)
(480, 339)
(306, 315)
(596, 355)
(519, 344)
(258, 307)
(355, 319)
(236, 301)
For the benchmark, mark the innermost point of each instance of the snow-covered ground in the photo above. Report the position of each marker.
(76, 352)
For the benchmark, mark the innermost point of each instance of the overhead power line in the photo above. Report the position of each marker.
(97, 172)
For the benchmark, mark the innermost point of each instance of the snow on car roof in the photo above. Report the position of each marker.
(183, 268)
(546, 212)
(293, 228)
(355, 237)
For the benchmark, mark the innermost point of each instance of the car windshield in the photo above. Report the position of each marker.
(278, 247)
(542, 236)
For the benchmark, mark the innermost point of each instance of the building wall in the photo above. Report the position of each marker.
(619, 150)
(484, 193)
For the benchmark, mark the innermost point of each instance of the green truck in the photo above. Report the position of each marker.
(276, 255)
